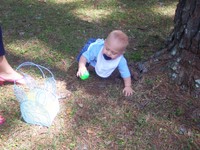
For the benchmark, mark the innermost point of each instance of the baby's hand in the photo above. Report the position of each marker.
(128, 91)
(81, 71)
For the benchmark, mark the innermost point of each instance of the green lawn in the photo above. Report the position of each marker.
(95, 115)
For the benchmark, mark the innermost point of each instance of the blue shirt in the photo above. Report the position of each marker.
(92, 53)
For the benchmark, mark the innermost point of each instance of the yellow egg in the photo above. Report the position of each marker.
(31, 96)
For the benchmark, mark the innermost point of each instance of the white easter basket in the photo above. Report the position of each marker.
(39, 103)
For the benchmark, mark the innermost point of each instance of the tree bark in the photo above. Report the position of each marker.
(184, 46)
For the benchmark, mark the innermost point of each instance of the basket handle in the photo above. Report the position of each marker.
(36, 65)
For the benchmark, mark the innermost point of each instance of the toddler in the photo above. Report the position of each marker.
(105, 56)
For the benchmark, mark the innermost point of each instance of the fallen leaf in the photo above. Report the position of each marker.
(107, 142)
(80, 105)
(69, 111)
(89, 131)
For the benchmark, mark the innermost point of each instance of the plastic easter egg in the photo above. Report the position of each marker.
(85, 76)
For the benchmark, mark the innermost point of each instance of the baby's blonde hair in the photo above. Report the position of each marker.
(120, 37)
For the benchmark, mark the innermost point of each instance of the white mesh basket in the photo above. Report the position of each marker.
(38, 100)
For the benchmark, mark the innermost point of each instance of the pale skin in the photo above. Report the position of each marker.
(113, 50)
(7, 72)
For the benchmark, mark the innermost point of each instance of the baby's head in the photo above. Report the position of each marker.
(115, 44)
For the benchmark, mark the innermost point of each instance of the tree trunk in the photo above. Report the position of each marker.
(184, 46)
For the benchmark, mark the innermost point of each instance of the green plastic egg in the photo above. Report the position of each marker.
(85, 76)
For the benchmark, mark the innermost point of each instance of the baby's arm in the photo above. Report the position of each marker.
(127, 87)
(125, 74)
(81, 66)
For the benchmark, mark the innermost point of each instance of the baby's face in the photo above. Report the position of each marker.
(112, 50)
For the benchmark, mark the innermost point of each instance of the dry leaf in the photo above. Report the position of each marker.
(80, 105)
(89, 131)
(69, 111)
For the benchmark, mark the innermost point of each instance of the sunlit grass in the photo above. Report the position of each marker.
(35, 49)
(29, 49)
(63, 1)
(168, 10)
(92, 15)
(94, 10)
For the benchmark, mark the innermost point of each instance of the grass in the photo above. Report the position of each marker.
(95, 114)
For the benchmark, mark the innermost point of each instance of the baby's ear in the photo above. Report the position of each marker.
(123, 51)
(105, 41)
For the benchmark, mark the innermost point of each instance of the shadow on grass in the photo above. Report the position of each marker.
(63, 29)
